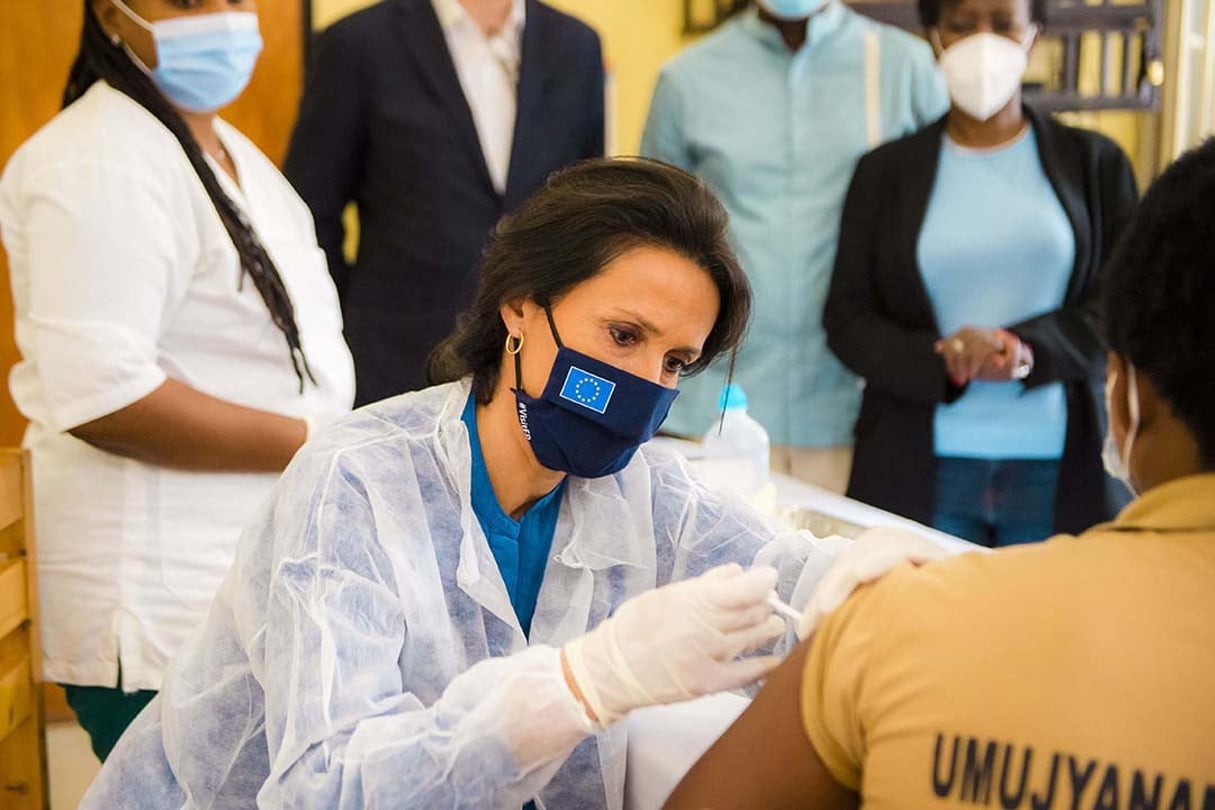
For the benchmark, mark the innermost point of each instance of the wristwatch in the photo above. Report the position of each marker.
(1025, 362)
(1022, 352)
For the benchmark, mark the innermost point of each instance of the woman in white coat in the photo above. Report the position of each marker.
(178, 333)
(406, 625)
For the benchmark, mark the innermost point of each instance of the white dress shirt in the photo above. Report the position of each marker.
(123, 276)
(488, 68)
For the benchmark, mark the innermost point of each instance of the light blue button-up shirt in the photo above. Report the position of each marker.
(776, 134)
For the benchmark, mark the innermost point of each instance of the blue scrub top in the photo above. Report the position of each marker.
(520, 547)
(776, 134)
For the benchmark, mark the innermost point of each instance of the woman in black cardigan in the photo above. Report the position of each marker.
(981, 409)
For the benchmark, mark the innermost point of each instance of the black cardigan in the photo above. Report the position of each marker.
(880, 322)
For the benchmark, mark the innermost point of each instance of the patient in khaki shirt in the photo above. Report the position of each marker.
(1078, 673)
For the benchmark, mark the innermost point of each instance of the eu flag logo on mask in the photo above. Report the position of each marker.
(588, 390)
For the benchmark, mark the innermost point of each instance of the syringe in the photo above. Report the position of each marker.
(784, 610)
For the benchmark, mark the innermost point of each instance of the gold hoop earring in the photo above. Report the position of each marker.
(514, 343)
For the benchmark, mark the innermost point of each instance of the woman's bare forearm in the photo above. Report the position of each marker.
(179, 427)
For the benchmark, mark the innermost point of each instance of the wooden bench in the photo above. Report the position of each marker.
(23, 771)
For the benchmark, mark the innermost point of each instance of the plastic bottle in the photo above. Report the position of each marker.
(736, 451)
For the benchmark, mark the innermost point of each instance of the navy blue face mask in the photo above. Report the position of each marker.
(592, 416)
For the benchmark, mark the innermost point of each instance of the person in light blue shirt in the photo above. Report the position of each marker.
(987, 264)
(772, 111)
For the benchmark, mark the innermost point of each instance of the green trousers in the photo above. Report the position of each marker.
(105, 712)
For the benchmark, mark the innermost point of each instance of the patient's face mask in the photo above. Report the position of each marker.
(1117, 461)
(793, 9)
(591, 417)
(983, 72)
(203, 61)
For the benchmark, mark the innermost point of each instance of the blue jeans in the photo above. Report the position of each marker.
(998, 502)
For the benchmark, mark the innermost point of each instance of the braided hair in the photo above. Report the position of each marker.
(100, 58)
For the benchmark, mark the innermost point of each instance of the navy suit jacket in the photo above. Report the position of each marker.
(384, 123)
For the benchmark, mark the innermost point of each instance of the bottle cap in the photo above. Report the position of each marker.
(732, 398)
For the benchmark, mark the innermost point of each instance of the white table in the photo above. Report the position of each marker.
(665, 741)
(791, 493)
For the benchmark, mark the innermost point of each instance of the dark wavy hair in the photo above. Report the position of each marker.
(1158, 290)
(100, 59)
(583, 218)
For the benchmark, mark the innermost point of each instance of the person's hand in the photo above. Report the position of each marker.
(969, 350)
(676, 642)
(868, 558)
(1014, 363)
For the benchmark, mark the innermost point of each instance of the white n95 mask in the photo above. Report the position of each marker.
(982, 72)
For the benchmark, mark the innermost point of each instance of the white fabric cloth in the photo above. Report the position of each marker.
(123, 276)
(488, 69)
(363, 651)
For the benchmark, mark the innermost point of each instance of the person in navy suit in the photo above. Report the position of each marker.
(435, 117)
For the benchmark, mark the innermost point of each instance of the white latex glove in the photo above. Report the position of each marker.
(866, 559)
(677, 642)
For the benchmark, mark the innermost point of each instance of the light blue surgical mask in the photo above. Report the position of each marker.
(793, 9)
(203, 61)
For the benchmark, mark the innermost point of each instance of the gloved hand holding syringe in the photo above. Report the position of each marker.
(685, 639)
(676, 642)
